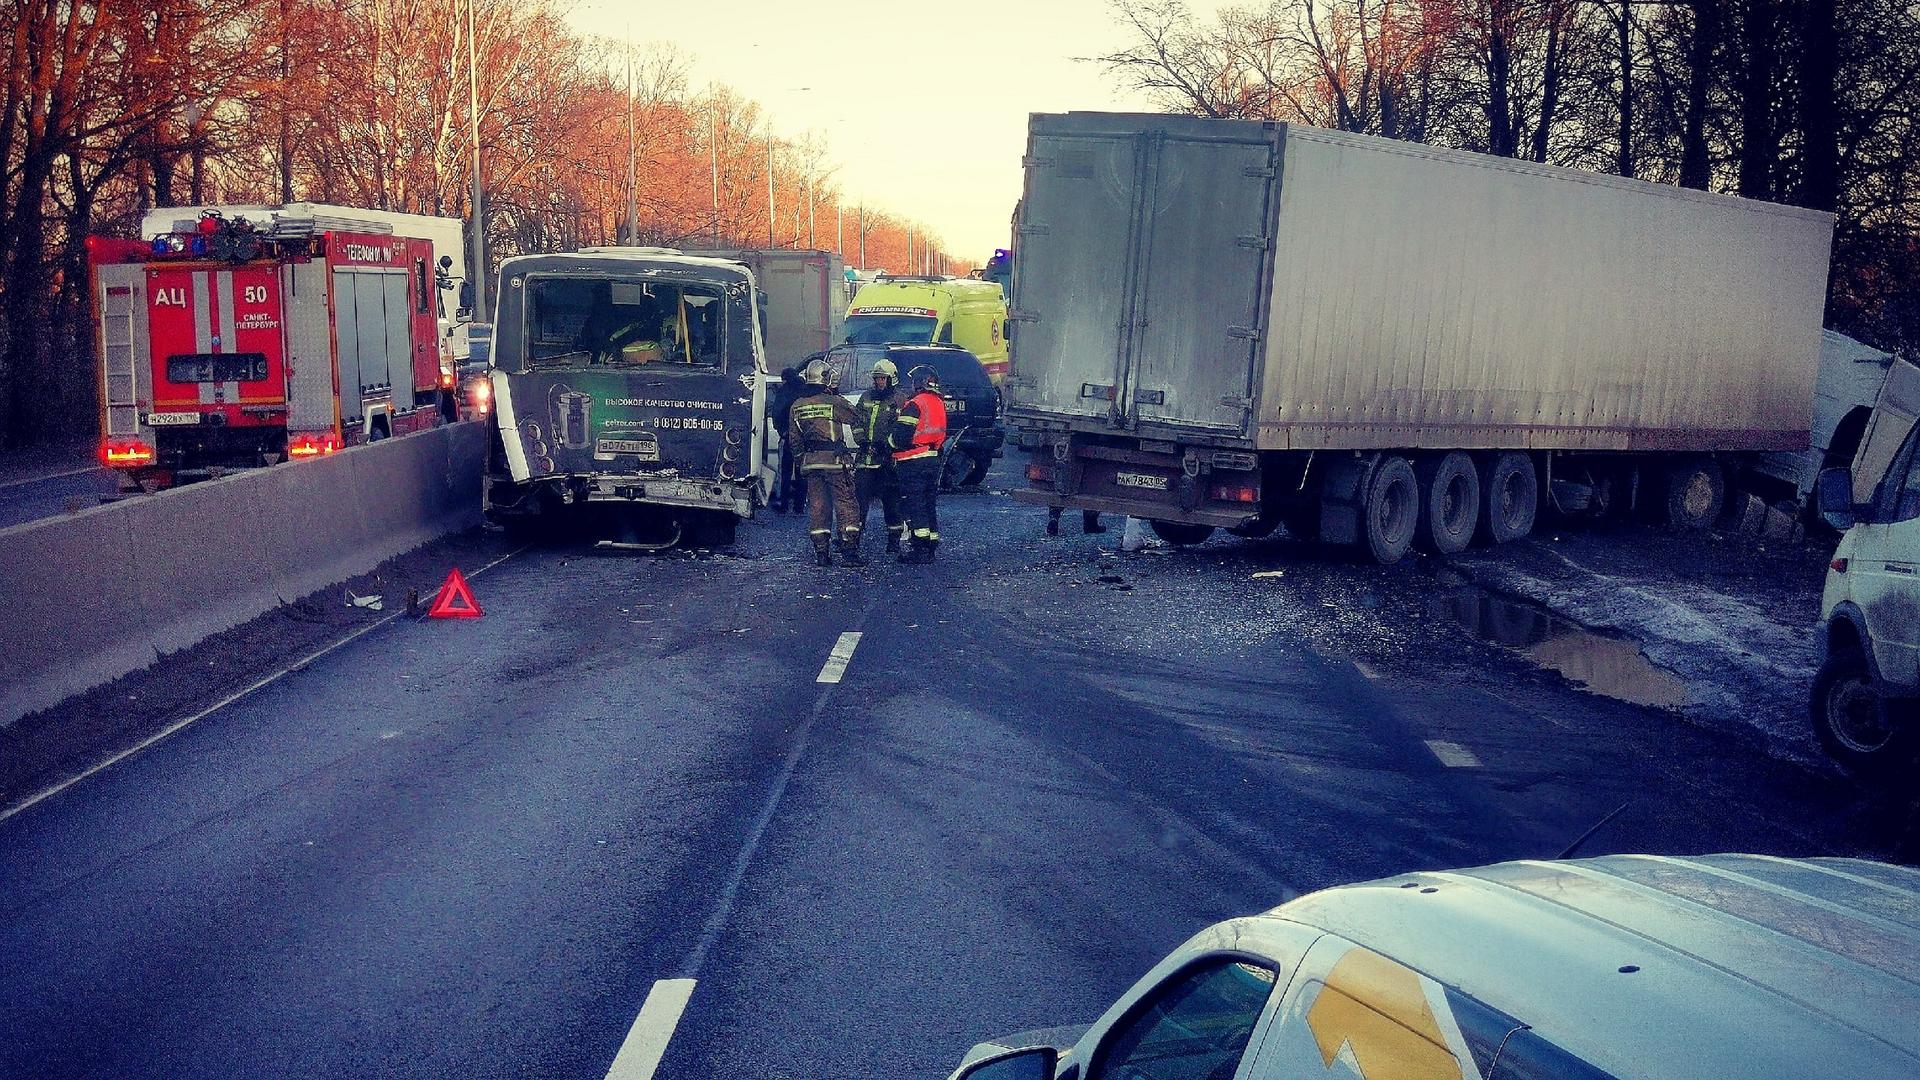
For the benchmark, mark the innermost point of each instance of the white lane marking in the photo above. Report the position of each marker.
(647, 1039)
(50, 476)
(261, 684)
(838, 659)
(1452, 754)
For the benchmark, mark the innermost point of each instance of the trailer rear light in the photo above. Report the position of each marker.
(1040, 474)
(123, 453)
(1838, 566)
(1230, 491)
(306, 446)
(480, 392)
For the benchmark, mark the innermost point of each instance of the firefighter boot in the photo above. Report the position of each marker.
(822, 551)
(850, 550)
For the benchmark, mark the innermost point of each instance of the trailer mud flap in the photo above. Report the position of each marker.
(1343, 489)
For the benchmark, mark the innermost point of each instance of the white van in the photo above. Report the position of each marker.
(1867, 692)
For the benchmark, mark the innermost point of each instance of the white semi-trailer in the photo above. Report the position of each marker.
(1242, 324)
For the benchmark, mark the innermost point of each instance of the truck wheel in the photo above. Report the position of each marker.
(1511, 498)
(1180, 533)
(1259, 528)
(1392, 510)
(1696, 493)
(1449, 502)
(1858, 727)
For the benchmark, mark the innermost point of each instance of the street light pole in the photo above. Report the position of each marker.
(769, 181)
(633, 153)
(477, 273)
(713, 153)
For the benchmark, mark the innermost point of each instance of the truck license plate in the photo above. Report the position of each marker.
(1146, 481)
(163, 419)
(644, 449)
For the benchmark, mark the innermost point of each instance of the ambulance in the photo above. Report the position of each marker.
(898, 310)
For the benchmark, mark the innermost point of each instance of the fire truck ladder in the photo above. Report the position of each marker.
(117, 310)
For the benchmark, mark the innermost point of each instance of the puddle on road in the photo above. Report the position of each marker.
(1605, 665)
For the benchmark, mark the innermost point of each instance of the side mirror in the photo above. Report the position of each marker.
(1833, 494)
(1032, 1063)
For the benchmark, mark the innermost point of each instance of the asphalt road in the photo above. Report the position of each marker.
(60, 492)
(475, 848)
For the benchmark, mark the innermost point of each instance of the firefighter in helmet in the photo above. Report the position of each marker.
(821, 428)
(874, 476)
(919, 433)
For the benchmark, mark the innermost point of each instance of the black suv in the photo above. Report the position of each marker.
(974, 434)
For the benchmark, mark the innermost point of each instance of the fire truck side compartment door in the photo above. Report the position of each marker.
(310, 381)
(399, 338)
(346, 330)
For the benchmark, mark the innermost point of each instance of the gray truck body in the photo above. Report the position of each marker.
(805, 299)
(1269, 286)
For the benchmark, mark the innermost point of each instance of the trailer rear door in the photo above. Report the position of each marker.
(1074, 273)
(1142, 254)
(1198, 317)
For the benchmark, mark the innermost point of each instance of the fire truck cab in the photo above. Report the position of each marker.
(232, 342)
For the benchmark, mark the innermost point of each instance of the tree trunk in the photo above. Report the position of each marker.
(1758, 149)
(1819, 70)
(1695, 166)
(1500, 140)
(1623, 159)
(1549, 87)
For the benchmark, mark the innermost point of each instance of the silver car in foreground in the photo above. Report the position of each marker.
(1622, 966)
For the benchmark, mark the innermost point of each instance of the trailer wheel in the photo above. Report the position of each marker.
(1393, 510)
(1511, 497)
(1181, 533)
(1696, 493)
(1449, 502)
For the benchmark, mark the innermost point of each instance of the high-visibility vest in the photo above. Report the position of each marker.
(930, 433)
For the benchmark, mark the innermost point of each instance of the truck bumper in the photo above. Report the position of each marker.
(1141, 508)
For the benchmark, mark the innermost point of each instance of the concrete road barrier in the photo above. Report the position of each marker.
(87, 598)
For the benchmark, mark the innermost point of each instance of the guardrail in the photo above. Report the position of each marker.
(87, 598)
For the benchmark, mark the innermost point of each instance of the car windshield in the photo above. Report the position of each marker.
(622, 322)
(881, 329)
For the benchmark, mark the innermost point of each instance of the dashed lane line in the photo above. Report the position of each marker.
(244, 691)
(838, 659)
(647, 1039)
(1452, 754)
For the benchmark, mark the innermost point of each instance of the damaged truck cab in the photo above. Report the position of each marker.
(628, 391)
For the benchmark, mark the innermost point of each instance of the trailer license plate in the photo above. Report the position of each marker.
(1147, 481)
(643, 449)
(163, 419)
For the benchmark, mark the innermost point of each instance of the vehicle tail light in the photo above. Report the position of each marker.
(1236, 491)
(307, 446)
(125, 453)
(446, 379)
(1040, 474)
(1838, 566)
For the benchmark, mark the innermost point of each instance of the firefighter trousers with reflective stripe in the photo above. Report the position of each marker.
(883, 483)
(831, 503)
(919, 490)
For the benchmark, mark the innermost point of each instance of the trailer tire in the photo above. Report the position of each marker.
(1181, 533)
(1696, 493)
(1510, 498)
(1449, 502)
(1392, 510)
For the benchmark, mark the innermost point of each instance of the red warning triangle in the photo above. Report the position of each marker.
(455, 599)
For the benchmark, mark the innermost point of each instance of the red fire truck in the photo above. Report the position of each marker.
(231, 343)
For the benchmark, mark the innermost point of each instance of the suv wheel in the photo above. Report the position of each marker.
(1857, 725)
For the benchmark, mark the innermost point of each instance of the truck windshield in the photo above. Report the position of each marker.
(881, 329)
(620, 322)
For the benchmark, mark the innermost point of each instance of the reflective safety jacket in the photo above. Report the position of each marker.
(820, 429)
(877, 412)
(921, 429)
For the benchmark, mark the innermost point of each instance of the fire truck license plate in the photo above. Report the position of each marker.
(1141, 480)
(642, 449)
(162, 419)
